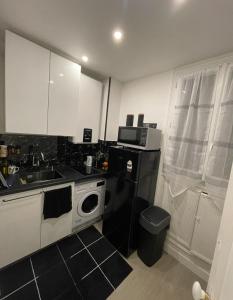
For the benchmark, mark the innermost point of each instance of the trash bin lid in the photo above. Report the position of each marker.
(154, 219)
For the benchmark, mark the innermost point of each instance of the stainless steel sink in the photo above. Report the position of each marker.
(39, 176)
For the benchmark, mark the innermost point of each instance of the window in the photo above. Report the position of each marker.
(220, 158)
(189, 133)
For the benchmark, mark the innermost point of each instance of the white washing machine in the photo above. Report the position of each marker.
(88, 202)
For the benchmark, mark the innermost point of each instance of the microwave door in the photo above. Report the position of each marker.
(129, 135)
(135, 136)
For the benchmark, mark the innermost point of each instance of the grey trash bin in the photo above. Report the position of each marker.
(154, 222)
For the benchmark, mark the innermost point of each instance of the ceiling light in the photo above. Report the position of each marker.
(84, 58)
(117, 35)
(51, 81)
(61, 75)
(179, 2)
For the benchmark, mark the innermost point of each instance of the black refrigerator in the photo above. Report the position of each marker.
(130, 189)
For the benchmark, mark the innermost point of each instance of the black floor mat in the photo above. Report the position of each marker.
(82, 266)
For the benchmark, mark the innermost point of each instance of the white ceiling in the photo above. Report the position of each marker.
(159, 34)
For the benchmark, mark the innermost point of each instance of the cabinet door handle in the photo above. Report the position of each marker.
(10, 200)
(14, 199)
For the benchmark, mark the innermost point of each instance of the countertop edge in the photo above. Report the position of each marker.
(69, 175)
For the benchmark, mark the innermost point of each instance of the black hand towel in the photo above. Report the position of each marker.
(57, 202)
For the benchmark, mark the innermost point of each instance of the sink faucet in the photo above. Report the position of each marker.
(37, 156)
(42, 156)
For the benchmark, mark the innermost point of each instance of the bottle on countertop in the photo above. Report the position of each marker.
(3, 150)
(89, 160)
(17, 149)
(10, 150)
(4, 167)
(99, 159)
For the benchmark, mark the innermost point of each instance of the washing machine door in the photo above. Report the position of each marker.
(89, 204)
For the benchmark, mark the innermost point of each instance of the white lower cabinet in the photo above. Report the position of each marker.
(54, 229)
(183, 210)
(206, 228)
(23, 229)
(20, 224)
(195, 221)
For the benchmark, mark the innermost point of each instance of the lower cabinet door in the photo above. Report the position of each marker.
(55, 229)
(20, 222)
(183, 209)
(206, 228)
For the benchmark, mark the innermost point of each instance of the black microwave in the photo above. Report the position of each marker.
(139, 137)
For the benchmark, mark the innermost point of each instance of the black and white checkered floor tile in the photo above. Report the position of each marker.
(81, 266)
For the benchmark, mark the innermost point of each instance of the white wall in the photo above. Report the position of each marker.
(148, 95)
(151, 96)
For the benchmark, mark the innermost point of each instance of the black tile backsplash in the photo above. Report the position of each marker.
(75, 154)
(58, 148)
(47, 144)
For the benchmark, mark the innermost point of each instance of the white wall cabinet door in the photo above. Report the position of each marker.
(89, 108)
(20, 223)
(63, 96)
(26, 86)
(206, 228)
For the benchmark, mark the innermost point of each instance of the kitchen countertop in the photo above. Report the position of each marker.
(68, 175)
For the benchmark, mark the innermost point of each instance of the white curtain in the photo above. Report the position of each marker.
(221, 154)
(188, 137)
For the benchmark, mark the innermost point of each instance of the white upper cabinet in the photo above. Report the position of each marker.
(111, 110)
(26, 86)
(41, 90)
(89, 109)
(63, 96)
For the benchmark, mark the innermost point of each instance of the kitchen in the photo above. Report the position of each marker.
(102, 127)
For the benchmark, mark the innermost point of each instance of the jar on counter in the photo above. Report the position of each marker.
(105, 165)
(11, 150)
(3, 150)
